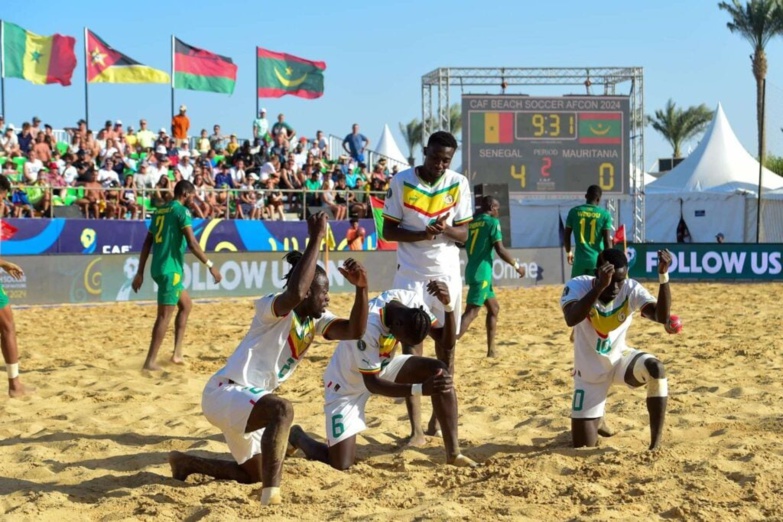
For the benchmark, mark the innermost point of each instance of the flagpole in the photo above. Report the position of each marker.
(86, 82)
(2, 68)
(257, 102)
(172, 75)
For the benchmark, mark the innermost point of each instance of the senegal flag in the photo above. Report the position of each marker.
(37, 59)
(199, 70)
(492, 127)
(105, 65)
(280, 74)
(600, 128)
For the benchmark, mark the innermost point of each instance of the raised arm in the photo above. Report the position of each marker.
(302, 275)
(354, 326)
(660, 311)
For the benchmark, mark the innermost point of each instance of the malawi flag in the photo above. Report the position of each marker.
(199, 70)
(492, 127)
(37, 59)
(600, 128)
(105, 65)
(280, 74)
(377, 214)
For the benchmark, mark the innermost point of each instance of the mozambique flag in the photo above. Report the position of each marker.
(377, 214)
(199, 70)
(105, 65)
(492, 127)
(280, 74)
(37, 59)
(600, 128)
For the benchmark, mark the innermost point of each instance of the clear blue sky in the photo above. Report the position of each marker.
(376, 53)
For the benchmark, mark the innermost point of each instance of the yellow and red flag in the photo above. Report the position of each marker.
(35, 58)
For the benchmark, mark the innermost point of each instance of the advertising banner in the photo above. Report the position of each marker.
(70, 279)
(24, 237)
(709, 261)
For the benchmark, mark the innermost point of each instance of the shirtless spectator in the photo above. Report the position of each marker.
(94, 201)
(43, 151)
(283, 129)
(128, 198)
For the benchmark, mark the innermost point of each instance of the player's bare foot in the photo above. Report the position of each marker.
(433, 429)
(293, 438)
(17, 389)
(177, 360)
(153, 367)
(461, 461)
(417, 440)
(179, 465)
(271, 497)
(655, 446)
(491, 353)
(604, 430)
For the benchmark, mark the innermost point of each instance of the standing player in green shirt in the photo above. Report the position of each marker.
(484, 237)
(169, 233)
(592, 226)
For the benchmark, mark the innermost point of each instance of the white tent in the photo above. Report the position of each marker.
(387, 147)
(719, 164)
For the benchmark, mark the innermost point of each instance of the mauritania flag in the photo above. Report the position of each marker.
(492, 127)
(105, 65)
(280, 74)
(199, 70)
(37, 59)
(600, 128)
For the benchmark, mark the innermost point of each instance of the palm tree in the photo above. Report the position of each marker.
(411, 133)
(678, 125)
(455, 118)
(758, 21)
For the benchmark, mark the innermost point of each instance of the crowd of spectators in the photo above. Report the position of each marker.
(122, 172)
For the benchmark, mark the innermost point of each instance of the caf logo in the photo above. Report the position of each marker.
(449, 199)
(622, 317)
(361, 345)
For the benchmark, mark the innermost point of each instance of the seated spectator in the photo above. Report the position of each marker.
(329, 198)
(312, 188)
(53, 178)
(184, 169)
(109, 150)
(377, 188)
(163, 193)
(246, 201)
(223, 178)
(43, 151)
(357, 200)
(69, 171)
(93, 203)
(216, 140)
(9, 143)
(130, 139)
(21, 204)
(202, 143)
(162, 140)
(274, 199)
(31, 167)
(106, 132)
(377, 173)
(279, 148)
(238, 173)
(25, 139)
(127, 204)
(199, 204)
(233, 145)
(269, 168)
(40, 194)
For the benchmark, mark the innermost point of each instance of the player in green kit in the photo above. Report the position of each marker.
(484, 237)
(169, 234)
(592, 227)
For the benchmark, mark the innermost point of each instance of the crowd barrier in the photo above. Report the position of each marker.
(71, 279)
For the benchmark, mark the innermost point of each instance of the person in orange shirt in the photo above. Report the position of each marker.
(180, 124)
(355, 235)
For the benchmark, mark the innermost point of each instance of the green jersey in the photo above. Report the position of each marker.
(168, 238)
(483, 233)
(588, 223)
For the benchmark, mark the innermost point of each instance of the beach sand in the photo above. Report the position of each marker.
(92, 443)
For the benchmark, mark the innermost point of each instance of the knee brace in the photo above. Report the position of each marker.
(656, 386)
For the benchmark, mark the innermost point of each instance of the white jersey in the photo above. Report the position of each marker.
(600, 339)
(373, 351)
(414, 204)
(273, 347)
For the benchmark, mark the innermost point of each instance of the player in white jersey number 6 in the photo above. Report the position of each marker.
(239, 398)
(600, 309)
(359, 369)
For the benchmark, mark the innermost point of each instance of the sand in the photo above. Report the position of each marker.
(92, 443)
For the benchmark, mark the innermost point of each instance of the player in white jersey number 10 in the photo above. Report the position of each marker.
(600, 309)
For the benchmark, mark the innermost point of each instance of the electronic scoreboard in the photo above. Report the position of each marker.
(553, 145)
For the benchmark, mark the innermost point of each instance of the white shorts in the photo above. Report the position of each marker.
(589, 398)
(344, 414)
(227, 406)
(409, 281)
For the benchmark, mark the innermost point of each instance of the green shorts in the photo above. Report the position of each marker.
(3, 297)
(582, 269)
(479, 292)
(169, 288)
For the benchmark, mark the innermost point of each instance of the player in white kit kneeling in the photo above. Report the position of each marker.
(359, 369)
(239, 398)
(600, 309)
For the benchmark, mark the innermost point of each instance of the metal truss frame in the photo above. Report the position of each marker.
(435, 101)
